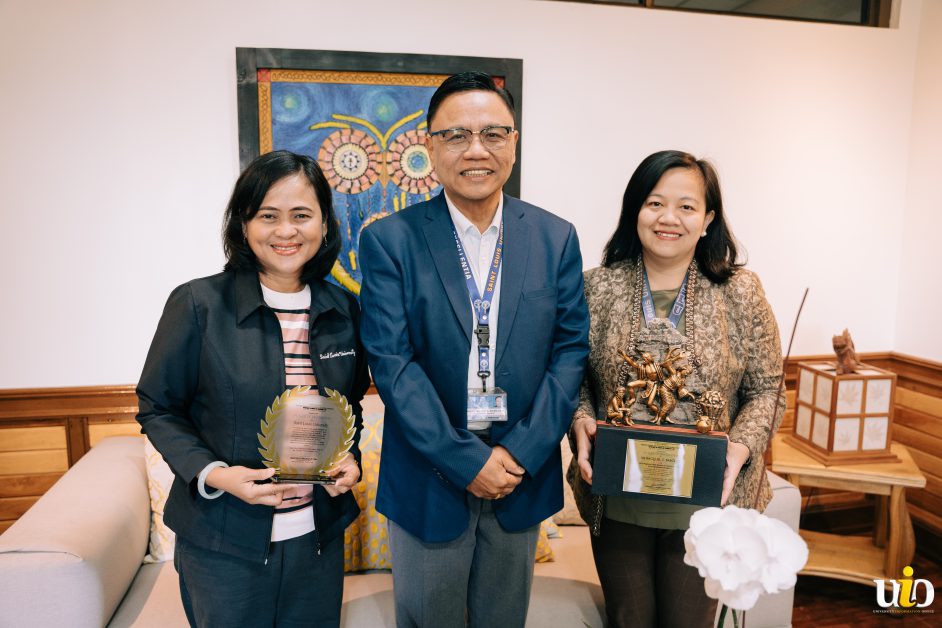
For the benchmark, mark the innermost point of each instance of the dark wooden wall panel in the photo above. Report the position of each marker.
(90, 413)
(44, 431)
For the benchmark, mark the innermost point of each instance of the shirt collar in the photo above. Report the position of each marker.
(462, 224)
(248, 296)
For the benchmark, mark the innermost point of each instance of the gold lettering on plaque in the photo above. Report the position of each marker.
(659, 468)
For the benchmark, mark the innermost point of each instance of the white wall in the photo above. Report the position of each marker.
(119, 148)
(919, 305)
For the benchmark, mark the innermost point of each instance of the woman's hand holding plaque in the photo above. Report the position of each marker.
(249, 485)
(346, 474)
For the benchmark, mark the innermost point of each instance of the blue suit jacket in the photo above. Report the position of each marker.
(416, 328)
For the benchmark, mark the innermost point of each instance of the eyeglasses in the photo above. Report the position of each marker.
(459, 140)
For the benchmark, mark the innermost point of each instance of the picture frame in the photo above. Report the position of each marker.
(361, 115)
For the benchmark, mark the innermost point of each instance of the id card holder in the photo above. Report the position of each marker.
(487, 406)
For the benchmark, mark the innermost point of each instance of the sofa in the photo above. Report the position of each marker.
(75, 559)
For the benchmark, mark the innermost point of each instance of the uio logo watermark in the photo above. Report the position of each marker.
(907, 593)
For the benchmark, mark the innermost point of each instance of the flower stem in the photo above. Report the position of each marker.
(719, 624)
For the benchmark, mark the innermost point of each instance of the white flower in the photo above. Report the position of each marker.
(740, 553)
(742, 598)
(787, 551)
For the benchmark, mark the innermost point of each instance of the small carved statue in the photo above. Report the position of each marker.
(646, 369)
(661, 393)
(619, 412)
(648, 375)
(846, 355)
(671, 389)
(659, 385)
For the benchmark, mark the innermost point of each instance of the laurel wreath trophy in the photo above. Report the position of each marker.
(304, 435)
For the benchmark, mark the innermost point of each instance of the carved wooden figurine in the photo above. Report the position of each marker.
(648, 374)
(671, 389)
(619, 412)
(846, 355)
(661, 384)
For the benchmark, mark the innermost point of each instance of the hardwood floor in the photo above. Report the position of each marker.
(827, 603)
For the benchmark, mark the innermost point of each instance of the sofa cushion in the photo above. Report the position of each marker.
(68, 560)
(554, 603)
(775, 611)
(153, 600)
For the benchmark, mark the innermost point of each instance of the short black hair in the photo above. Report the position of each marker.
(247, 196)
(715, 253)
(467, 82)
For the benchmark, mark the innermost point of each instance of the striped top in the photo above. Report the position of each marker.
(294, 314)
(295, 516)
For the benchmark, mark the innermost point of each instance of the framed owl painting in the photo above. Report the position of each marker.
(362, 116)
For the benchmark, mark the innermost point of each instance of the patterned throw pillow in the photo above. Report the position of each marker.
(544, 553)
(159, 479)
(365, 542)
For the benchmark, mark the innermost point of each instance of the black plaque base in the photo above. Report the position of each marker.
(613, 464)
(288, 478)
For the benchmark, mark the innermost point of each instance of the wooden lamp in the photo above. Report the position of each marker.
(844, 409)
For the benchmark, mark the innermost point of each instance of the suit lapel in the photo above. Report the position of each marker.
(441, 244)
(513, 270)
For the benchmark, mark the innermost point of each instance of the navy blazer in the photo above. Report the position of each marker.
(215, 365)
(416, 328)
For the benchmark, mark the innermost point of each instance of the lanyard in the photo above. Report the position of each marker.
(482, 305)
(677, 310)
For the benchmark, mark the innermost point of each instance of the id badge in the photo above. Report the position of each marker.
(487, 406)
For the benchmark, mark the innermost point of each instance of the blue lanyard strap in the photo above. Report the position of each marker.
(482, 304)
(677, 310)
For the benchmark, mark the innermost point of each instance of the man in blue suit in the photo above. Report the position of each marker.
(476, 328)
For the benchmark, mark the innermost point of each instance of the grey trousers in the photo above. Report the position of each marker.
(482, 579)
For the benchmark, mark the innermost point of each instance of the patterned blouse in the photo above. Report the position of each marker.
(730, 328)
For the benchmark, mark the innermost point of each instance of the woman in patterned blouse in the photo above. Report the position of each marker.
(672, 241)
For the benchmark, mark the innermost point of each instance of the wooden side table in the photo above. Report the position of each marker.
(856, 558)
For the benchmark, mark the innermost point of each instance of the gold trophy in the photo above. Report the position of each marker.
(659, 440)
(304, 435)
